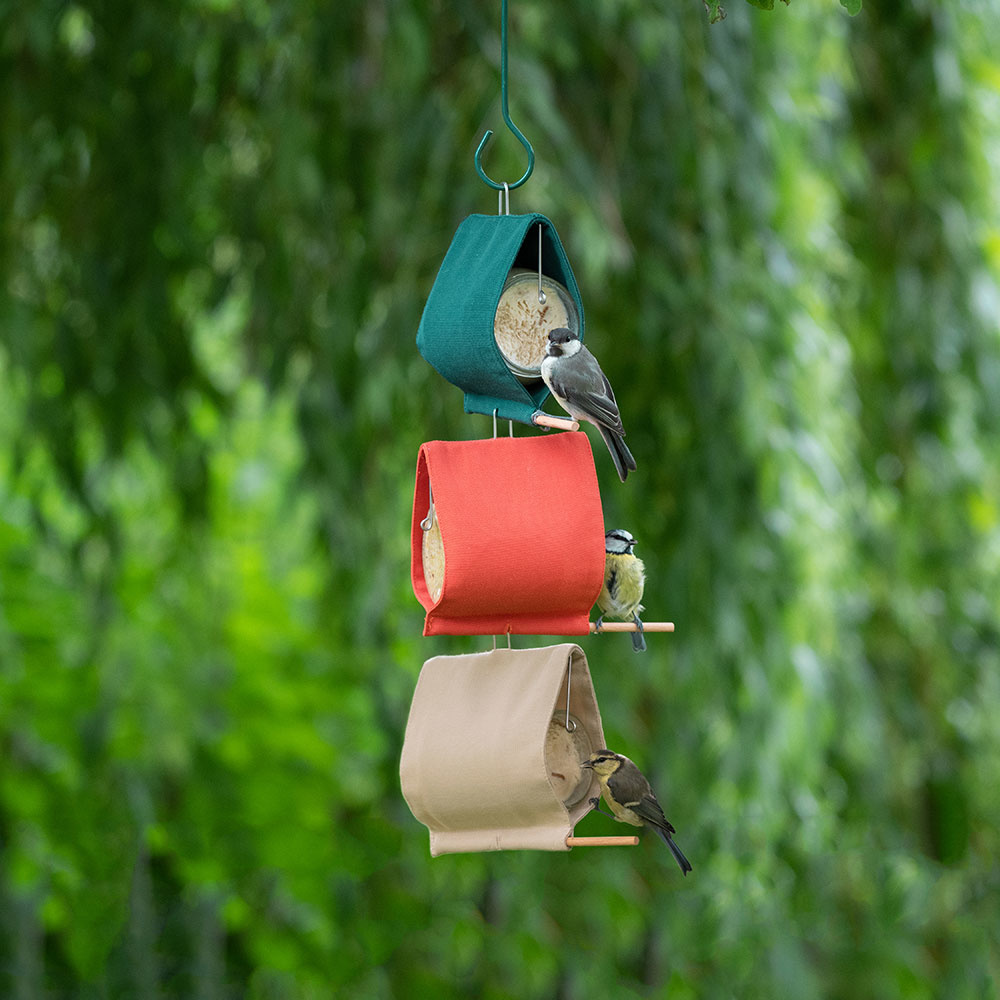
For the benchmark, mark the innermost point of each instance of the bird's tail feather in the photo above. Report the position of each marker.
(675, 851)
(620, 454)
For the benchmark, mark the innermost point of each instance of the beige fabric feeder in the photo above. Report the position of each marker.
(488, 762)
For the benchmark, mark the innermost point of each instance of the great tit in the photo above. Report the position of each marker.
(574, 377)
(627, 791)
(624, 582)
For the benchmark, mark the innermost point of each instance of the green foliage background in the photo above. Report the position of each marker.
(221, 219)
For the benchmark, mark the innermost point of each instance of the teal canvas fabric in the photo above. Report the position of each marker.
(456, 329)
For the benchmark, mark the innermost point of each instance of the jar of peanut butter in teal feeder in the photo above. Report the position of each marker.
(503, 284)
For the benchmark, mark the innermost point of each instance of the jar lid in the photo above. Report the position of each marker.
(565, 751)
(522, 322)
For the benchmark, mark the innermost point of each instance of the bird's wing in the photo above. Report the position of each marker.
(589, 390)
(648, 809)
(630, 787)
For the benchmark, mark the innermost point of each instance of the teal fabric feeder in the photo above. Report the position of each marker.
(456, 332)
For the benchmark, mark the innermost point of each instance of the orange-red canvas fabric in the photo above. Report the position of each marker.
(522, 531)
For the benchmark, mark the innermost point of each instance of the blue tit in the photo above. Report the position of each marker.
(631, 798)
(574, 377)
(624, 582)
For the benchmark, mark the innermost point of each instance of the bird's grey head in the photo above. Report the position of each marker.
(562, 343)
(618, 541)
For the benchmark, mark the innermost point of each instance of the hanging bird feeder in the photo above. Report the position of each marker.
(488, 315)
(505, 282)
(493, 746)
(507, 536)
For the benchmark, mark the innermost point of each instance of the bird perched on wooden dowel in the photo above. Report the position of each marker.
(624, 582)
(631, 798)
(574, 377)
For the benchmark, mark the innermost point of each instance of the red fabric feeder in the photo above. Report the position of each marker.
(521, 535)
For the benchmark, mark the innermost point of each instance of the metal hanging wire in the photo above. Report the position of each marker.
(570, 723)
(506, 117)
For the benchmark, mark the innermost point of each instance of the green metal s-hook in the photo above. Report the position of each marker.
(506, 116)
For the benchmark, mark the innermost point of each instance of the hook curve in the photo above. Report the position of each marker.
(506, 116)
(524, 142)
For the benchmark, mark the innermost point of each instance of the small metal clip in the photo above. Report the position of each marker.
(541, 294)
(426, 523)
(510, 424)
(570, 723)
(508, 641)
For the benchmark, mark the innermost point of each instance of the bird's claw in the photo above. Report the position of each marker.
(638, 640)
(596, 803)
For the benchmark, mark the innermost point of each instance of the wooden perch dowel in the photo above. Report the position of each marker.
(631, 627)
(559, 423)
(601, 841)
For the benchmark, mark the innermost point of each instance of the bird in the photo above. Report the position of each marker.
(574, 377)
(624, 582)
(631, 798)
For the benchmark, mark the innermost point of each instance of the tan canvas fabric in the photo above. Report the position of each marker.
(474, 769)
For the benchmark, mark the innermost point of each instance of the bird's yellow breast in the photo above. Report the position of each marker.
(624, 578)
(622, 813)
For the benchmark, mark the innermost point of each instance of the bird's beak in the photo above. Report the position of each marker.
(586, 763)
